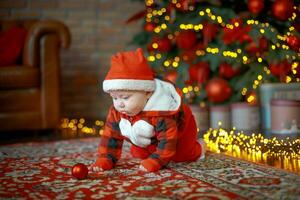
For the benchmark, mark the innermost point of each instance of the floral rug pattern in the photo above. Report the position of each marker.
(43, 171)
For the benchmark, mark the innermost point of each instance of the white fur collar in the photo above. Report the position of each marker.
(164, 98)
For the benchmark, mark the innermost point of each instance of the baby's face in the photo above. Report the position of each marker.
(129, 102)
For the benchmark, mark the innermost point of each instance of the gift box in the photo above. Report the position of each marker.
(269, 91)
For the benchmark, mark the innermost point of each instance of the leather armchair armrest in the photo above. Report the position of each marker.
(36, 32)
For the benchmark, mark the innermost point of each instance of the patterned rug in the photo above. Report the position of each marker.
(42, 171)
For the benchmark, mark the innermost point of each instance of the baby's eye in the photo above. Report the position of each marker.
(125, 97)
(114, 98)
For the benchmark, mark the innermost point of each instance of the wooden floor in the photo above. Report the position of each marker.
(7, 138)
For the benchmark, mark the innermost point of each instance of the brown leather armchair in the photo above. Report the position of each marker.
(30, 92)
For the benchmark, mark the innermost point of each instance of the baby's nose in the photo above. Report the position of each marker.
(121, 104)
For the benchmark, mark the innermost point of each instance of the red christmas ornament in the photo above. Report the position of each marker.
(171, 76)
(209, 32)
(255, 6)
(80, 171)
(149, 26)
(281, 69)
(237, 33)
(283, 9)
(199, 72)
(227, 71)
(189, 55)
(262, 46)
(218, 90)
(186, 39)
(293, 42)
(164, 44)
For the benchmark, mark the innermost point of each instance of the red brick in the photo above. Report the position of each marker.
(43, 4)
(4, 14)
(13, 4)
(26, 14)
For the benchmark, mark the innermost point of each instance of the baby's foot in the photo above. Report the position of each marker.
(203, 149)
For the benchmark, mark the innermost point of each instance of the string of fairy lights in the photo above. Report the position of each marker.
(238, 54)
(217, 140)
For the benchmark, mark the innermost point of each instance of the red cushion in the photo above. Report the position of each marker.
(11, 45)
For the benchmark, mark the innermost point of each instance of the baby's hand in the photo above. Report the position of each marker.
(142, 168)
(94, 168)
(101, 164)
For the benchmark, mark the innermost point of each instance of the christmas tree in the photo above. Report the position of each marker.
(220, 51)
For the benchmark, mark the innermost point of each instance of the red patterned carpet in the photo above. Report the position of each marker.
(42, 171)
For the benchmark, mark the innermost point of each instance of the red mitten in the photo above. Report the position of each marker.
(103, 163)
(151, 165)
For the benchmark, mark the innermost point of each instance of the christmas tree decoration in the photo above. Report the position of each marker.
(227, 71)
(281, 69)
(282, 9)
(209, 32)
(199, 72)
(218, 90)
(255, 6)
(293, 42)
(255, 49)
(80, 171)
(252, 98)
(186, 39)
(171, 76)
(244, 42)
(149, 26)
(164, 44)
(160, 44)
(184, 5)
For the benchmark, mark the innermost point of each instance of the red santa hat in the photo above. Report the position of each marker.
(129, 71)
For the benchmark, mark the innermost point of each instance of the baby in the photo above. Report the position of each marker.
(147, 112)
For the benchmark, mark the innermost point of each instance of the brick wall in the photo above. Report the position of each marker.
(98, 30)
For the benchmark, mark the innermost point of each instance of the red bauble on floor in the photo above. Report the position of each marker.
(80, 171)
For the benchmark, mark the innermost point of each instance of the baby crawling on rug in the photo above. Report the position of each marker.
(148, 113)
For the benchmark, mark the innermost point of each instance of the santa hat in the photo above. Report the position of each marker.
(129, 71)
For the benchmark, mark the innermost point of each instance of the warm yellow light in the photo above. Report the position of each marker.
(201, 13)
(250, 99)
(219, 19)
(200, 52)
(154, 45)
(244, 91)
(157, 29)
(175, 64)
(262, 31)
(288, 79)
(185, 90)
(167, 63)
(151, 58)
(81, 120)
(259, 77)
